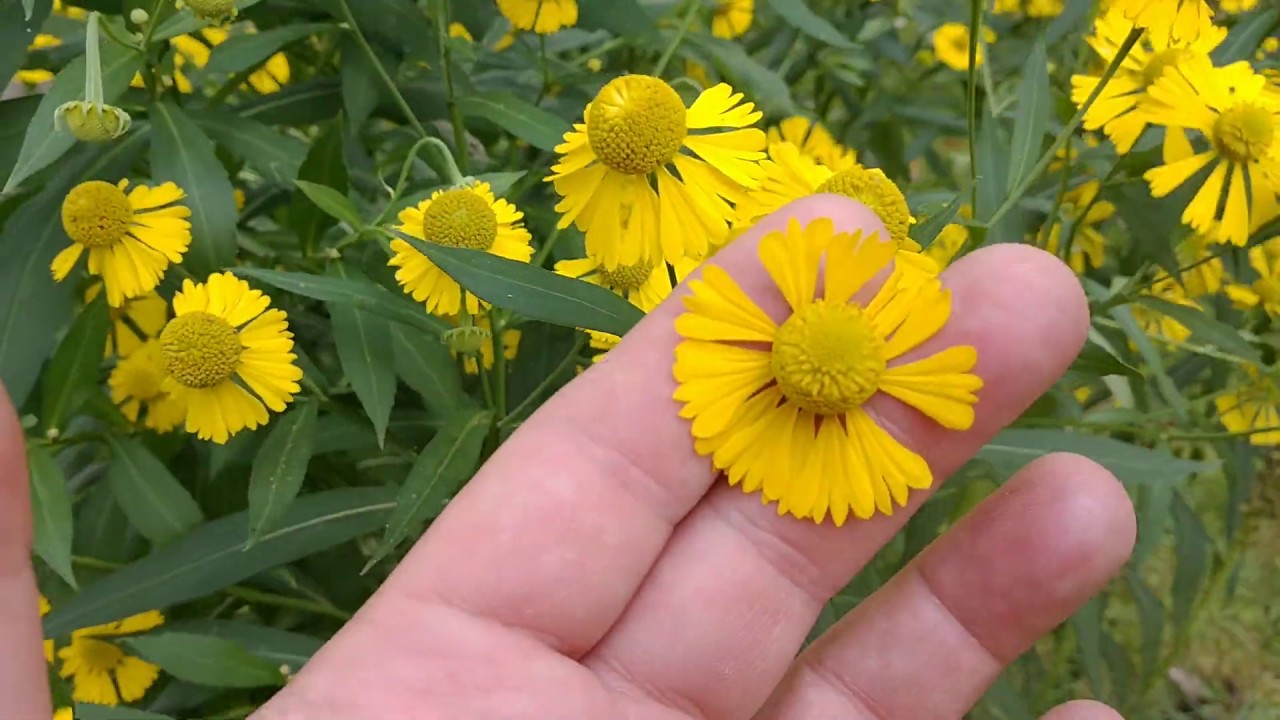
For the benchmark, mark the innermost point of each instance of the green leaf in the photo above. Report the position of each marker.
(360, 294)
(926, 232)
(206, 660)
(1034, 110)
(301, 103)
(1192, 546)
(275, 155)
(798, 15)
(1205, 329)
(424, 363)
(332, 202)
(1097, 361)
(85, 711)
(152, 498)
(523, 119)
(279, 647)
(1133, 465)
(1152, 357)
(364, 347)
(1154, 502)
(447, 461)
(181, 153)
(625, 18)
(361, 85)
(280, 466)
(1150, 620)
(43, 145)
(532, 291)
(1087, 623)
(15, 116)
(217, 555)
(241, 52)
(993, 168)
(73, 372)
(51, 508)
(1246, 36)
(324, 166)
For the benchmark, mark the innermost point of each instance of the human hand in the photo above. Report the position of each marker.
(594, 568)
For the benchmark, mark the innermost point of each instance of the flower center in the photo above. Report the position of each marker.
(98, 654)
(1244, 133)
(626, 278)
(872, 188)
(200, 349)
(96, 214)
(636, 124)
(212, 9)
(1158, 62)
(462, 219)
(827, 358)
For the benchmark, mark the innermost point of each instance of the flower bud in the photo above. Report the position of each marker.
(467, 339)
(138, 16)
(92, 123)
(212, 10)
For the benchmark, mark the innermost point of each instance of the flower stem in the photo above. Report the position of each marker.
(971, 103)
(363, 42)
(497, 329)
(533, 397)
(252, 595)
(93, 64)
(670, 52)
(446, 61)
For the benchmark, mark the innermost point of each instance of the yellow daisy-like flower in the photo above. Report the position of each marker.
(541, 16)
(790, 175)
(132, 239)
(100, 671)
(464, 217)
(1086, 212)
(137, 387)
(732, 18)
(1206, 277)
(1159, 325)
(644, 285)
(1241, 121)
(1252, 408)
(36, 76)
(951, 45)
(1116, 111)
(458, 30)
(223, 332)
(45, 607)
(779, 406)
(815, 141)
(510, 345)
(194, 51)
(133, 323)
(631, 139)
(1030, 8)
(1265, 291)
(1178, 20)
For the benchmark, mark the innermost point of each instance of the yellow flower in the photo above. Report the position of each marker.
(458, 30)
(951, 45)
(1176, 20)
(195, 51)
(35, 76)
(1206, 277)
(68, 11)
(464, 217)
(222, 332)
(101, 673)
(510, 345)
(1081, 206)
(943, 249)
(1030, 8)
(815, 141)
(1116, 109)
(541, 16)
(137, 385)
(631, 138)
(1232, 7)
(133, 323)
(644, 285)
(65, 713)
(1252, 407)
(790, 175)
(1241, 121)
(1162, 326)
(732, 18)
(779, 407)
(48, 644)
(1265, 291)
(132, 239)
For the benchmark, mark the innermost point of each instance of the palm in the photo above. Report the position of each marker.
(594, 569)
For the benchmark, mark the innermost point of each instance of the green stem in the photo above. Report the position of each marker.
(1067, 132)
(497, 328)
(971, 104)
(533, 397)
(361, 40)
(446, 62)
(153, 21)
(670, 52)
(93, 64)
(544, 65)
(284, 601)
(449, 168)
(547, 246)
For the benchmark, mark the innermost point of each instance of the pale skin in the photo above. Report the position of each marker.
(595, 567)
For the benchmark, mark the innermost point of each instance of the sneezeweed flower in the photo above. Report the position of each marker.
(1084, 211)
(223, 339)
(1240, 119)
(463, 217)
(1157, 324)
(92, 120)
(951, 45)
(732, 18)
(133, 323)
(643, 285)
(779, 406)
(1178, 20)
(194, 51)
(480, 341)
(100, 671)
(950, 240)
(1252, 407)
(131, 238)
(137, 388)
(214, 11)
(1205, 278)
(36, 76)
(815, 141)
(631, 139)
(1264, 292)
(1116, 111)
(541, 16)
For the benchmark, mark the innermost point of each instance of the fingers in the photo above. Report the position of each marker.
(24, 684)
(1082, 710)
(767, 577)
(929, 643)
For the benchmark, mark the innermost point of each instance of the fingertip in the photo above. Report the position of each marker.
(1094, 508)
(1083, 710)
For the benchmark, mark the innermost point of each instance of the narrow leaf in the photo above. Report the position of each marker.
(1205, 329)
(625, 18)
(275, 155)
(51, 509)
(797, 14)
(152, 498)
(1245, 38)
(361, 294)
(73, 372)
(324, 166)
(1192, 547)
(241, 52)
(1133, 465)
(280, 466)
(332, 202)
(364, 347)
(206, 660)
(86, 711)
(279, 647)
(1034, 108)
(523, 119)
(926, 232)
(424, 363)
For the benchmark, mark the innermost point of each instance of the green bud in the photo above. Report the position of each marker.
(92, 123)
(212, 10)
(467, 339)
(138, 16)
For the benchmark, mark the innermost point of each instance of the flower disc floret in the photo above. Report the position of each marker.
(873, 188)
(460, 218)
(1244, 133)
(637, 124)
(96, 214)
(213, 10)
(201, 350)
(627, 278)
(827, 358)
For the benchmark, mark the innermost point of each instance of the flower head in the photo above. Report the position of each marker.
(644, 285)
(100, 671)
(1177, 20)
(779, 406)
(541, 16)
(1157, 324)
(463, 217)
(1264, 292)
(815, 141)
(92, 122)
(215, 11)
(633, 136)
(133, 323)
(1252, 407)
(478, 339)
(1206, 270)
(137, 388)
(223, 332)
(1082, 208)
(36, 76)
(131, 238)
(732, 18)
(951, 45)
